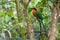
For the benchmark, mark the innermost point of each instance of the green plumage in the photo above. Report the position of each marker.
(39, 15)
(40, 19)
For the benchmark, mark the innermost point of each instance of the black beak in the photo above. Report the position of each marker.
(32, 8)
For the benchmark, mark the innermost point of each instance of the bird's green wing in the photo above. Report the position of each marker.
(39, 15)
(42, 26)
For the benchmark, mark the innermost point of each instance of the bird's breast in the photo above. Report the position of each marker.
(34, 13)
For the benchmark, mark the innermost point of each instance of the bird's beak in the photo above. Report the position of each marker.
(32, 8)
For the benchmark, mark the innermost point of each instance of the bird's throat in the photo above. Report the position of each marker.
(34, 13)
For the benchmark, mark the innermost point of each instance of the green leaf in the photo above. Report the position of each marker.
(48, 12)
(7, 18)
(37, 26)
(2, 0)
(10, 13)
(50, 3)
(1, 25)
(2, 13)
(29, 10)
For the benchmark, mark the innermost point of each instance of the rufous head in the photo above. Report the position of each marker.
(35, 9)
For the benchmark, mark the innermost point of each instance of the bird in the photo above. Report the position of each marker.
(36, 13)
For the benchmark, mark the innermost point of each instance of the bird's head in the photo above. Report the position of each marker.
(35, 9)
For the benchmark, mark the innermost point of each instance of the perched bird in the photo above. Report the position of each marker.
(36, 13)
(39, 17)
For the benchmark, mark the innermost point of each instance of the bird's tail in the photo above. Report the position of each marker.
(42, 27)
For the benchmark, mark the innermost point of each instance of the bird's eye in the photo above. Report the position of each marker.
(34, 9)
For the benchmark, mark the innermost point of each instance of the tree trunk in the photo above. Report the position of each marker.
(18, 14)
(52, 30)
(30, 30)
(29, 25)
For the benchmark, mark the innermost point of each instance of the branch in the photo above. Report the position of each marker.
(52, 31)
(28, 2)
(25, 5)
(6, 2)
(22, 2)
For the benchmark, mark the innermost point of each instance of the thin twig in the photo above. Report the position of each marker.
(28, 2)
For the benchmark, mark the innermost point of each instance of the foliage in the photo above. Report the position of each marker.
(9, 19)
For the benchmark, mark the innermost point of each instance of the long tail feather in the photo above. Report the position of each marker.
(42, 26)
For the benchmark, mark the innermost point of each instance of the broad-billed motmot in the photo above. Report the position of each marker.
(39, 16)
(36, 13)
